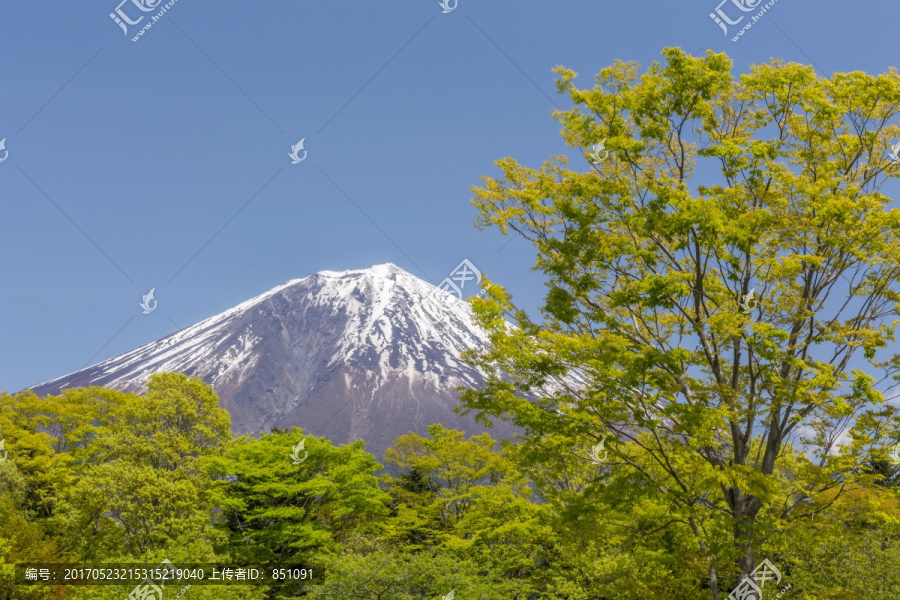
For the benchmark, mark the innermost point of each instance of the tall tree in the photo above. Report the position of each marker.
(177, 420)
(723, 274)
(283, 502)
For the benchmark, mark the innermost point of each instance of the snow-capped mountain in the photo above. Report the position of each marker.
(368, 353)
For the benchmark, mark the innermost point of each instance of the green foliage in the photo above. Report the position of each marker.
(127, 508)
(21, 541)
(468, 498)
(715, 186)
(454, 513)
(175, 422)
(399, 576)
(273, 510)
(104, 476)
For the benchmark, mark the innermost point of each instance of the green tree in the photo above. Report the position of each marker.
(121, 508)
(724, 281)
(134, 482)
(380, 574)
(466, 498)
(177, 420)
(275, 511)
(849, 552)
(40, 436)
(21, 539)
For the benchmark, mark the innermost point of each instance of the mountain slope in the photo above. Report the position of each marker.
(366, 354)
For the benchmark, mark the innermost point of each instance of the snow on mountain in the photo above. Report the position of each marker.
(369, 353)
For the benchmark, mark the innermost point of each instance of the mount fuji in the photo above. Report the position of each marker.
(369, 353)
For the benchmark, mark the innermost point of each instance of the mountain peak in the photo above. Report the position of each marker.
(374, 270)
(376, 337)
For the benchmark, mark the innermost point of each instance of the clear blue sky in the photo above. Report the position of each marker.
(127, 158)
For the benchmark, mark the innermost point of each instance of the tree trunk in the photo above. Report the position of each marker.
(713, 577)
(744, 509)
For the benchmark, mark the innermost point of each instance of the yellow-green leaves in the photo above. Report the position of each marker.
(727, 279)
